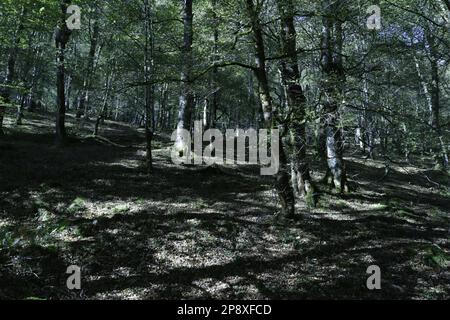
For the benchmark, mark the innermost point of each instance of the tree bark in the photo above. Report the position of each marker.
(5, 90)
(31, 99)
(62, 35)
(432, 94)
(215, 71)
(149, 88)
(103, 111)
(186, 101)
(332, 85)
(296, 99)
(83, 99)
(30, 64)
(282, 181)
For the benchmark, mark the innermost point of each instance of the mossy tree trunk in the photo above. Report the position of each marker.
(283, 180)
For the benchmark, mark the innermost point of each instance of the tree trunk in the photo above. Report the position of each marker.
(68, 89)
(215, 71)
(62, 35)
(432, 95)
(83, 99)
(103, 111)
(332, 84)
(33, 51)
(149, 88)
(186, 101)
(368, 122)
(282, 181)
(5, 90)
(296, 99)
(20, 110)
(163, 106)
(31, 100)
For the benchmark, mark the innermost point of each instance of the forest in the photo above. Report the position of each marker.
(136, 138)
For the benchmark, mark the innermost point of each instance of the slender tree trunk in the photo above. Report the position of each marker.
(441, 150)
(163, 106)
(69, 79)
(5, 90)
(27, 67)
(20, 110)
(103, 111)
(360, 133)
(31, 99)
(333, 80)
(432, 94)
(282, 181)
(117, 109)
(186, 101)
(296, 99)
(149, 88)
(215, 71)
(83, 99)
(365, 129)
(62, 35)
(368, 121)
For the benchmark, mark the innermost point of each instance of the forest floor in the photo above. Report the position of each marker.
(197, 232)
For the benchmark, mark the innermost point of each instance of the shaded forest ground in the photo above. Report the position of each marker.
(197, 232)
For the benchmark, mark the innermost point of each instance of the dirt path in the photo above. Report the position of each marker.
(195, 232)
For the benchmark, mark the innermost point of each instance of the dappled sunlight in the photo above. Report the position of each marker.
(190, 232)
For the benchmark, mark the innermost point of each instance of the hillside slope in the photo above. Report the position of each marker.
(197, 232)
